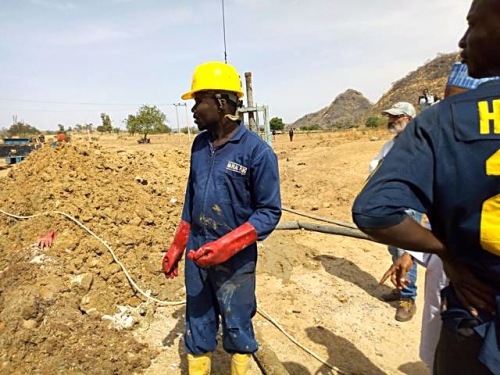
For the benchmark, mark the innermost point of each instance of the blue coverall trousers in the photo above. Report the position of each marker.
(226, 291)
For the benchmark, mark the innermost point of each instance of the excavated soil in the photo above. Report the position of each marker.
(52, 300)
(71, 309)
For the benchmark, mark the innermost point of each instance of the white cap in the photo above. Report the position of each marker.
(400, 109)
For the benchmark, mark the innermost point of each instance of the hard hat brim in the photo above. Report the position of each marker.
(190, 95)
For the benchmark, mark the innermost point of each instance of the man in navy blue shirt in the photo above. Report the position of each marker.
(232, 200)
(447, 164)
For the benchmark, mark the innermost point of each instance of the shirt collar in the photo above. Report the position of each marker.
(239, 133)
(491, 81)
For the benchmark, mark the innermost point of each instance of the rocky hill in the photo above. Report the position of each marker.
(346, 110)
(433, 76)
(351, 108)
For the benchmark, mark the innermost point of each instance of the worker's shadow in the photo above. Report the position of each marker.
(176, 333)
(295, 368)
(349, 271)
(414, 368)
(341, 354)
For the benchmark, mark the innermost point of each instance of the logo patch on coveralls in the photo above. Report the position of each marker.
(235, 167)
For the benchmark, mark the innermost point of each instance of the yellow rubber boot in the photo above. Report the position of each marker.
(199, 364)
(240, 364)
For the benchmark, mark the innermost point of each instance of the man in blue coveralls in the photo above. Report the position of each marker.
(447, 165)
(232, 200)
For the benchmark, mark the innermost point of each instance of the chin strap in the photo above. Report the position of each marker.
(222, 104)
(235, 117)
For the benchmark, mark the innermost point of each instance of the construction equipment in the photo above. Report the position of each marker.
(15, 150)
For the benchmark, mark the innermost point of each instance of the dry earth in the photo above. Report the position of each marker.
(60, 307)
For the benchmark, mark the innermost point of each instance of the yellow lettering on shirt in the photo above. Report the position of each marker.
(486, 117)
(490, 213)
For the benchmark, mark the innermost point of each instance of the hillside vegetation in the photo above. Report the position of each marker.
(433, 76)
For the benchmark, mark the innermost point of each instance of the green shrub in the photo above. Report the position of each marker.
(375, 122)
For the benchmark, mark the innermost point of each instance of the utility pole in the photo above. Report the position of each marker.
(187, 122)
(187, 118)
(177, 117)
(251, 118)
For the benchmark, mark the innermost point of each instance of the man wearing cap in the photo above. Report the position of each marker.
(399, 115)
(232, 200)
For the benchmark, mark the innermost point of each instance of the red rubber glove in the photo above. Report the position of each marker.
(174, 253)
(219, 251)
(45, 240)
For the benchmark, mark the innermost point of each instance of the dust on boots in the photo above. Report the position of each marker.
(240, 364)
(201, 364)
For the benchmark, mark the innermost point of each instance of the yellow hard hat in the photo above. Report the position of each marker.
(215, 75)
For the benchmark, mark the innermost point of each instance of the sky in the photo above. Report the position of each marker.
(67, 61)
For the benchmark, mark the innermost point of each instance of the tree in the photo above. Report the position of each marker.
(276, 123)
(22, 129)
(4, 133)
(106, 123)
(61, 128)
(162, 128)
(148, 120)
(131, 124)
(89, 127)
(311, 127)
(374, 122)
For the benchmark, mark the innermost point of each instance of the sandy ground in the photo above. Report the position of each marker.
(322, 289)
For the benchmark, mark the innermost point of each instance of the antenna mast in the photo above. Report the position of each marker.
(224, 32)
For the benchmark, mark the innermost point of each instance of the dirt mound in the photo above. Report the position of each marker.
(52, 301)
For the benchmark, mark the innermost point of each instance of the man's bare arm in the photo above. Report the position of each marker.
(408, 235)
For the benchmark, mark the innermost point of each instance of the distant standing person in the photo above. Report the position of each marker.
(290, 133)
(426, 100)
